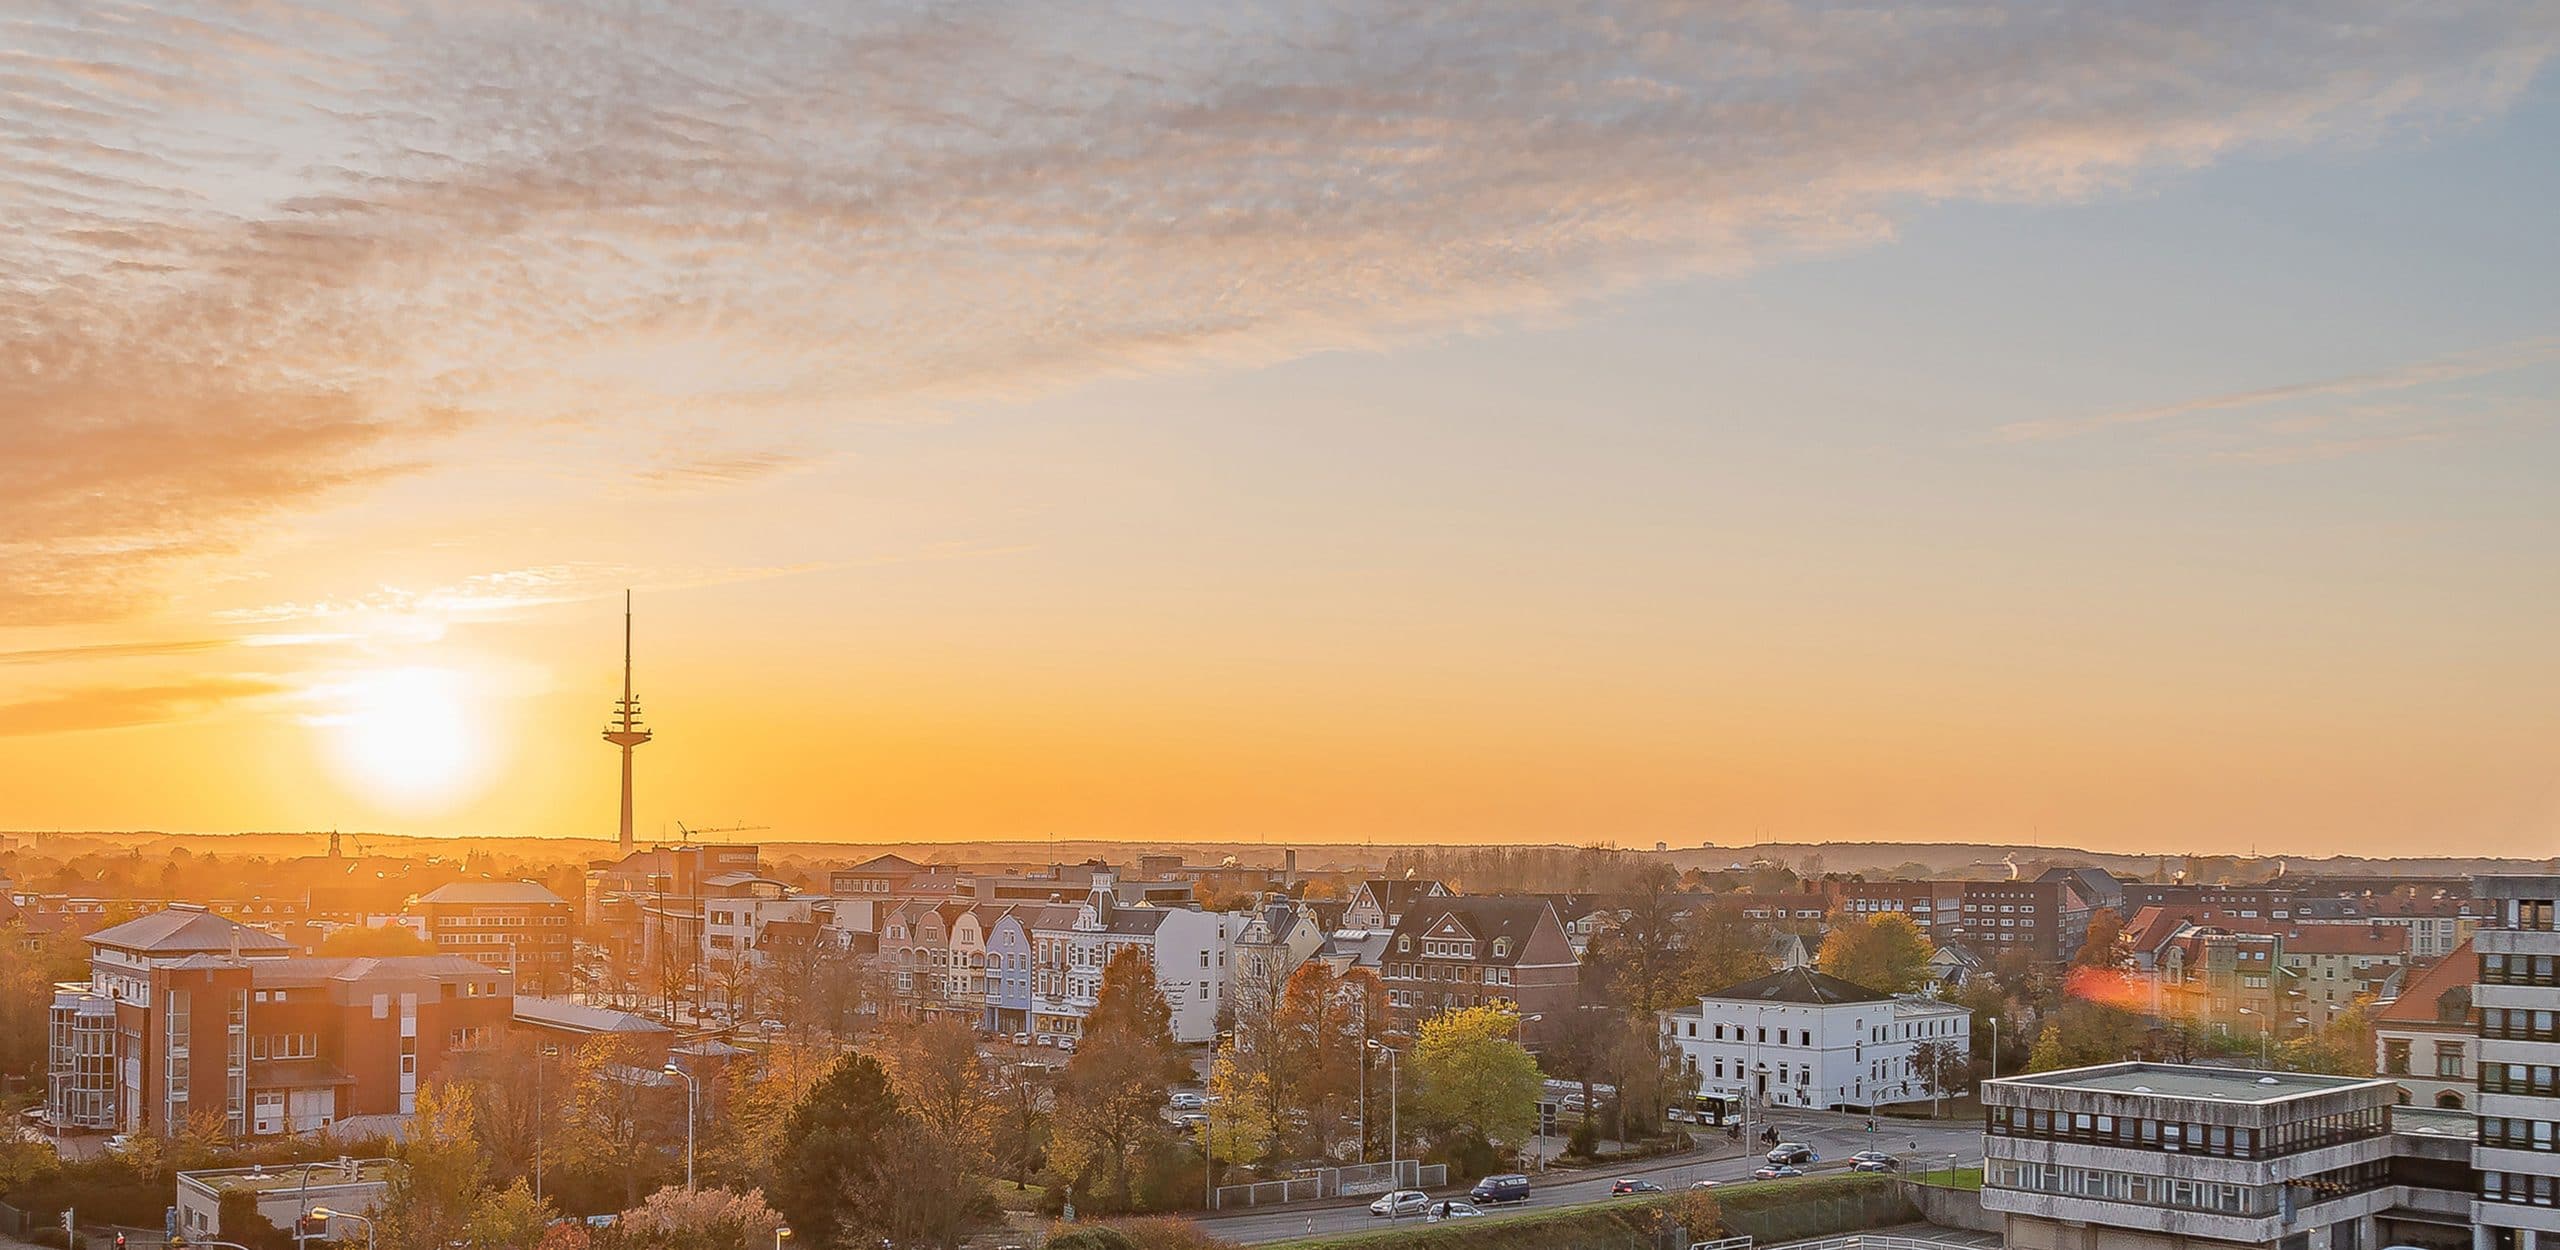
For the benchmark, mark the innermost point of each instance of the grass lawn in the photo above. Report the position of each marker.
(1961, 1178)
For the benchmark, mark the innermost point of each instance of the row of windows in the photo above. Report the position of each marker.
(2516, 1134)
(2519, 1187)
(2519, 970)
(2131, 1187)
(1469, 973)
(2183, 1137)
(2531, 913)
(285, 1046)
(2519, 1078)
(2518, 1024)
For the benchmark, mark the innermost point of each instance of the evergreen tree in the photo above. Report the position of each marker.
(831, 1148)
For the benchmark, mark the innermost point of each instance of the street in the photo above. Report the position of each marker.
(1833, 1136)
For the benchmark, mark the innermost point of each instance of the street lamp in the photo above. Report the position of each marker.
(2265, 1027)
(540, 1111)
(326, 1213)
(1995, 1048)
(692, 1092)
(1395, 1171)
(781, 1235)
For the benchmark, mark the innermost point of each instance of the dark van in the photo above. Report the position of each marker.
(1511, 1187)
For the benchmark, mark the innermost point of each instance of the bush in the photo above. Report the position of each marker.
(1089, 1237)
(1168, 1232)
(1468, 1156)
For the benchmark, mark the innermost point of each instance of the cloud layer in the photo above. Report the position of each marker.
(261, 253)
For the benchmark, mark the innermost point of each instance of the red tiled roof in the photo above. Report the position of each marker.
(2417, 1001)
(2347, 939)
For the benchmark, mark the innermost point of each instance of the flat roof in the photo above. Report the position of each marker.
(2435, 1122)
(273, 1177)
(2189, 1081)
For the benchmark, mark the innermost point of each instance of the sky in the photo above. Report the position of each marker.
(2120, 426)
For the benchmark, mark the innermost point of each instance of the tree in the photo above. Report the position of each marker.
(741, 1146)
(238, 1219)
(1322, 1029)
(935, 1070)
(1641, 961)
(442, 1176)
(1884, 952)
(617, 1115)
(1724, 947)
(2083, 1033)
(2341, 1046)
(1470, 1076)
(509, 1217)
(1940, 1068)
(1239, 1128)
(2105, 945)
(1020, 1139)
(926, 1205)
(833, 1147)
(380, 941)
(1108, 1099)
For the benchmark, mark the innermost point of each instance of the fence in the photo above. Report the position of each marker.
(1873, 1241)
(1355, 1181)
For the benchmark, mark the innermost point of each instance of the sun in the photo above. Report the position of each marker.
(404, 735)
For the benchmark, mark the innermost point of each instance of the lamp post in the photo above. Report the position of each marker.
(2265, 1027)
(692, 1092)
(1395, 1172)
(1518, 1022)
(781, 1235)
(1995, 1048)
(541, 1112)
(326, 1213)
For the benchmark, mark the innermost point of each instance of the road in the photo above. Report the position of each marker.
(1832, 1136)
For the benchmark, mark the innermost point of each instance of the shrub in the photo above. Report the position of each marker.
(1168, 1232)
(1468, 1156)
(1089, 1237)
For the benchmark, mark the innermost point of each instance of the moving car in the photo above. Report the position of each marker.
(1791, 1152)
(1451, 1209)
(1507, 1187)
(1626, 1186)
(1871, 1165)
(1705, 1184)
(1776, 1172)
(1400, 1202)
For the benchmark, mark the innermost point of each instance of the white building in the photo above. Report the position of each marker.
(1800, 1038)
(2518, 998)
(1191, 951)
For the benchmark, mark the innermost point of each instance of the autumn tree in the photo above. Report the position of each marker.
(2340, 1046)
(1323, 1027)
(1721, 947)
(934, 1068)
(2082, 1033)
(2105, 945)
(739, 1148)
(1111, 1092)
(833, 1147)
(1239, 1127)
(615, 1116)
(1884, 952)
(1470, 1076)
(440, 1195)
(675, 1218)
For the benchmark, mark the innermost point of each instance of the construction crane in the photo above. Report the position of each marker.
(695, 835)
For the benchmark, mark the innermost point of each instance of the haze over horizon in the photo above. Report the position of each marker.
(1975, 423)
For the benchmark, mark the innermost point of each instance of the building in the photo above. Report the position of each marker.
(1801, 1038)
(1190, 952)
(2048, 917)
(2141, 1156)
(2428, 1039)
(515, 925)
(286, 1192)
(1472, 950)
(187, 1014)
(2334, 965)
(1277, 938)
(1380, 904)
(2518, 999)
(571, 1025)
(2231, 982)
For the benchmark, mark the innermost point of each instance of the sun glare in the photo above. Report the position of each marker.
(405, 735)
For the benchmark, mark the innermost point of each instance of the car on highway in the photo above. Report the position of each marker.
(1451, 1209)
(1626, 1185)
(1507, 1187)
(1400, 1202)
(1776, 1172)
(1706, 1184)
(1791, 1152)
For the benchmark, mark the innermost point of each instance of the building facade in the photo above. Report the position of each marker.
(2428, 1039)
(2518, 1002)
(1801, 1038)
(515, 925)
(1459, 951)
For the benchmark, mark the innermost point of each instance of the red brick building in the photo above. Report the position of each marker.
(515, 925)
(189, 1014)
(1467, 951)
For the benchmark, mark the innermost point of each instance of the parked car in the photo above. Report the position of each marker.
(1048, 1039)
(1776, 1171)
(1452, 1209)
(1192, 1120)
(1021, 1039)
(1185, 1100)
(1400, 1202)
(1628, 1186)
(1678, 1115)
(1792, 1152)
(1067, 1044)
(1507, 1187)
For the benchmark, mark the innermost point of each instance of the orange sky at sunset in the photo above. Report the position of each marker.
(1289, 426)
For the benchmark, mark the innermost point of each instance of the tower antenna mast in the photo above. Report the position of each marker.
(626, 731)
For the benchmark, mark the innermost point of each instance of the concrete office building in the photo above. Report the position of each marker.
(2141, 1156)
(2517, 1005)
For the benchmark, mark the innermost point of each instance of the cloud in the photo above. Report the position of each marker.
(118, 707)
(113, 651)
(2503, 358)
(701, 472)
(262, 255)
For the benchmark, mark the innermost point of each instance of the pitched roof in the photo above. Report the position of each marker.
(560, 1013)
(491, 892)
(2347, 939)
(1484, 917)
(887, 863)
(186, 930)
(2418, 1000)
(1393, 895)
(1800, 985)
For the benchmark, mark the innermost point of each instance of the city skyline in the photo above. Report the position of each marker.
(2096, 432)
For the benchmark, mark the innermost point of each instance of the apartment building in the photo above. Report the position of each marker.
(1380, 905)
(1279, 936)
(2048, 917)
(516, 925)
(187, 1013)
(2332, 966)
(2518, 1002)
(2428, 1038)
(1471, 950)
(1801, 1038)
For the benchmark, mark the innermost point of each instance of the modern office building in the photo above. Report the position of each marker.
(2142, 1156)
(2517, 1005)
(516, 925)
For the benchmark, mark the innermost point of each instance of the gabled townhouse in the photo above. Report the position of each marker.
(1472, 950)
(1276, 939)
(1189, 950)
(1381, 903)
